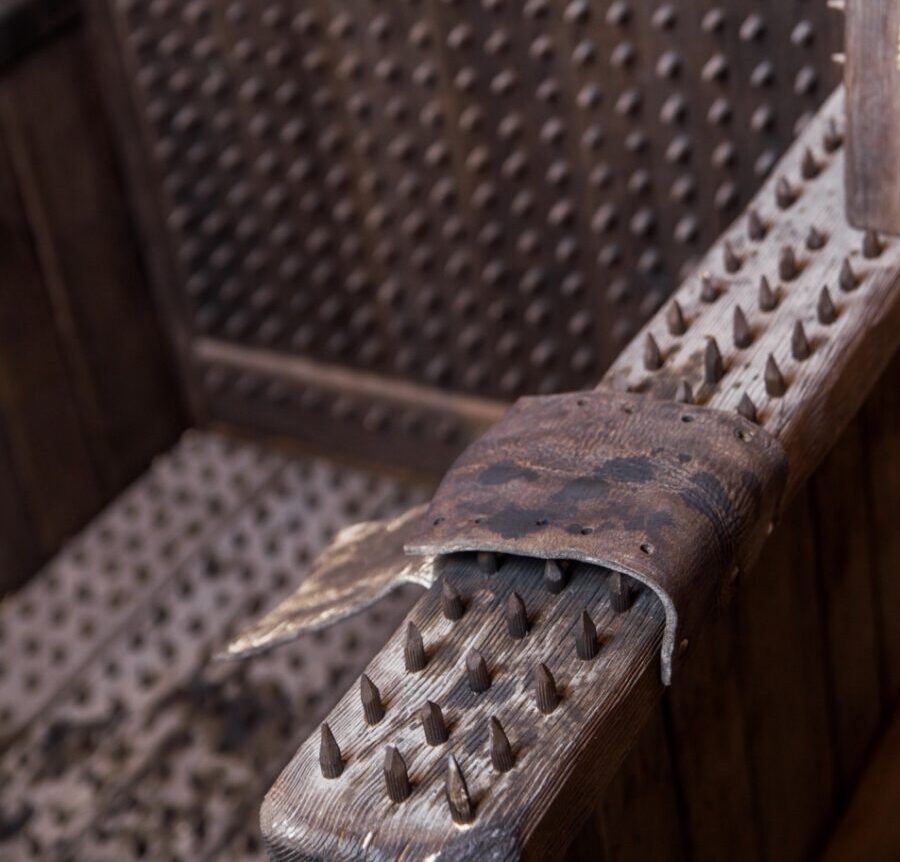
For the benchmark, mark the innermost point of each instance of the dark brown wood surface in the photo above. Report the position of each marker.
(86, 393)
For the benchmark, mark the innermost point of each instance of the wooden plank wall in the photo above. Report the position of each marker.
(86, 392)
(780, 708)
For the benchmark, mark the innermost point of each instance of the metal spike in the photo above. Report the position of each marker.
(477, 672)
(586, 644)
(414, 649)
(767, 297)
(545, 690)
(396, 778)
(433, 723)
(461, 808)
(373, 708)
(756, 228)
(619, 592)
(871, 244)
(747, 408)
(330, 760)
(487, 562)
(501, 751)
(743, 335)
(652, 355)
(451, 601)
(784, 194)
(713, 367)
(675, 319)
(683, 393)
(833, 139)
(800, 349)
(709, 292)
(516, 617)
(809, 168)
(815, 239)
(787, 264)
(555, 577)
(730, 260)
(775, 385)
(847, 279)
(825, 309)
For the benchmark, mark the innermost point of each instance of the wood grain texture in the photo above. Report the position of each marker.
(806, 405)
(872, 78)
(870, 829)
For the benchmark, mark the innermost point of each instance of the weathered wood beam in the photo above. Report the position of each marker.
(872, 78)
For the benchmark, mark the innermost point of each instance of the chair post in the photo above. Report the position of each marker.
(872, 78)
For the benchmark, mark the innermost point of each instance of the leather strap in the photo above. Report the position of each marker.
(675, 496)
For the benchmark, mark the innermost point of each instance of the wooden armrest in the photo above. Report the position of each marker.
(788, 320)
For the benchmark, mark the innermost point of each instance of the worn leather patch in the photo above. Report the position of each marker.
(679, 497)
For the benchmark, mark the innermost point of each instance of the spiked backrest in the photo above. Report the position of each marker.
(476, 197)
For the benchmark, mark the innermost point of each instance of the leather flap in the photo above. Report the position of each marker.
(679, 497)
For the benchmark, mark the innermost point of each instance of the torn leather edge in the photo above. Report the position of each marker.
(659, 491)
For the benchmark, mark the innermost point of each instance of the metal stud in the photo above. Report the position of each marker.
(516, 617)
(555, 577)
(825, 310)
(747, 408)
(330, 760)
(709, 291)
(787, 264)
(501, 751)
(847, 279)
(775, 385)
(487, 562)
(652, 355)
(756, 229)
(586, 644)
(373, 707)
(809, 167)
(458, 799)
(784, 194)
(396, 777)
(768, 299)
(683, 393)
(730, 260)
(477, 672)
(743, 335)
(433, 723)
(800, 349)
(619, 592)
(545, 693)
(713, 367)
(451, 602)
(815, 239)
(414, 649)
(871, 244)
(675, 319)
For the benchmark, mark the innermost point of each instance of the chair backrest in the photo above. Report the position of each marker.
(477, 198)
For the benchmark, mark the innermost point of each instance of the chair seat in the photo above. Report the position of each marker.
(119, 736)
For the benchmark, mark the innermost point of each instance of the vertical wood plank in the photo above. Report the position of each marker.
(840, 508)
(66, 171)
(710, 748)
(780, 646)
(872, 77)
(881, 421)
(47, 442)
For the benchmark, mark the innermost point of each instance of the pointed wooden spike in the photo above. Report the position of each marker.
(815, 239)
(730, 260)
(652, 355)
(414, 649)
(709, 291)
(767, 297)
(373, 708)
(756, 228)
(787, 264)
(784, 194)
(871, 244)
(545, 689)
(747, 408)
(433, 723)
(833, 139)
(487, 562)
(825, 309)
(461, 808)
(619, 592)
(555, 578)
(683, 393)
(586, 644)
(743, 335)
(800, 349)
(775, 385)
(451, 601)
(847, 279)
(809, 168)
(501, 751)
(330, 760)
(713, 367)
(516, 617)
(675, 319)
(477, 672)
(396, 778)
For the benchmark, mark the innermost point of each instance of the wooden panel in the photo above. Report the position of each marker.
(870, 829)
(66, 169)
(58, 477)
(842, 539)
(872, 76)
